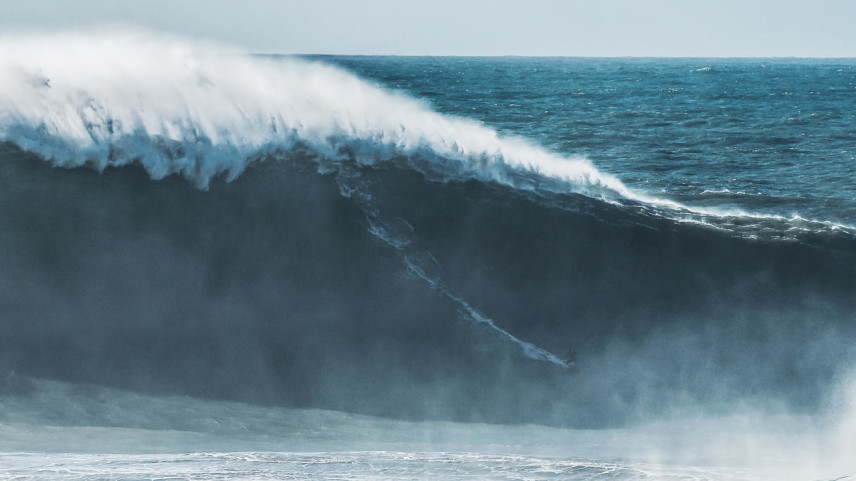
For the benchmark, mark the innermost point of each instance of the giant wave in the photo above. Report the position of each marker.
(353, 249)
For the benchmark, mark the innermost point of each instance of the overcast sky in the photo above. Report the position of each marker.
(812, 28)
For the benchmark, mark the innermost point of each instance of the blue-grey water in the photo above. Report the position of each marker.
(223, 266)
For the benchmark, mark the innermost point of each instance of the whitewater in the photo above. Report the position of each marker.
(183, 108)
(217, 265)
(124, 439)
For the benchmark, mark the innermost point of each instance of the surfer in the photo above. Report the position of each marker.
(570, 359)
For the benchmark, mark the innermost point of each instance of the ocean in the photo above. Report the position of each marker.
(216, 265)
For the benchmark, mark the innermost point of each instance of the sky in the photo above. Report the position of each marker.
(712, 28)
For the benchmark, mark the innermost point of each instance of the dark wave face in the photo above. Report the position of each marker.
(352, 249)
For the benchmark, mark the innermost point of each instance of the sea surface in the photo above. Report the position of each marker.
(216, 265)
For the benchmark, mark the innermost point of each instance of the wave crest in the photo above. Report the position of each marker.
(200, 110)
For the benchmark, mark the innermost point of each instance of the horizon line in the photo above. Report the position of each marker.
(628, 57)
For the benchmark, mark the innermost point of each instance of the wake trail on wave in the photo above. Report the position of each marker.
(178, 107)
(419, 265)
(528, 349)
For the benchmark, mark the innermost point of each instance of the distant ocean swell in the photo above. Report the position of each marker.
(357, 230)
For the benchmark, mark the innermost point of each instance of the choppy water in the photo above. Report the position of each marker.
(766, 135)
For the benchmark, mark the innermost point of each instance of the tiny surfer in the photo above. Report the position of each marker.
(571, 360)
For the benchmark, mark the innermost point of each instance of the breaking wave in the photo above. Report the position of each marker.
(180, 107)
(373, 255)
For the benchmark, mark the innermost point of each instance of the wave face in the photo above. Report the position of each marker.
(353, 249)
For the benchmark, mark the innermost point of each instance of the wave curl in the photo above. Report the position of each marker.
(200, 110)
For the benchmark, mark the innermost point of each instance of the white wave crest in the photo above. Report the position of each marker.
(185, 107)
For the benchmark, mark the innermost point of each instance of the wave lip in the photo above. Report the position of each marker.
(189, 108)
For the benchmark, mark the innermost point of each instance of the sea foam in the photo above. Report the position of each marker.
(176, 106)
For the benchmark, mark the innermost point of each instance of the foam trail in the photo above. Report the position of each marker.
(182, 107)
(529, 350)
(352, 185)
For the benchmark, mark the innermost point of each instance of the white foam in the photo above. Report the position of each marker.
(177, 106)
